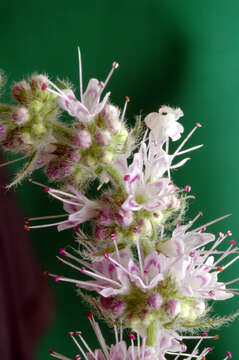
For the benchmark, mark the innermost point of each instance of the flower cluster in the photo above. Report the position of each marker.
(141, 265)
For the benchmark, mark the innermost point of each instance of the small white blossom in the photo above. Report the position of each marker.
(164, 124)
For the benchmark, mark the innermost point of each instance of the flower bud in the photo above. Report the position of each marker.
(20, 92)
(200, 307)
(100, 232)
(3, 132)
(38, 129)
(155, 301)
(20, 115)
(26, 137)
(146, 227)
(124, 218)
(111, 116)
(36, 106)
(105, 216)
(173, 307)
(106, 157)
(2, 80)
(39, 82)
(78, 175)
(83, 139)
(90, 160)
(104, 137)
(122, 135)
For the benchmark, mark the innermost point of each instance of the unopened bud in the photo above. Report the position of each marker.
(36, 106)
(122, 135)
(3, 132)
(104, 138)
(39, 82)
(20, 115)
(39, 129)
(155, 301)
(20, 91)
(83, 139)
(173, 307)
(111, 116)
(106, 157)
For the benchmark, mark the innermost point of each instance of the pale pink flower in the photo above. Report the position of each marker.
(90, 104)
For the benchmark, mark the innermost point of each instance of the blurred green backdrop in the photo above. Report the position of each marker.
(182, 53)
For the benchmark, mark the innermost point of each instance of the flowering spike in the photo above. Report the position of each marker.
(149, 270)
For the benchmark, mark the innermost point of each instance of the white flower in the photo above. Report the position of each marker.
(164, 124)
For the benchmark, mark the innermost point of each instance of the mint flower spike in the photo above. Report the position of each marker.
(90, 105)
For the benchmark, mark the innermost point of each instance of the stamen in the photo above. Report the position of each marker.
(63, 200)
(116, 334)
(139, 257)
(44, 225)
(80, 74)
(114, 66)
(52, 191)
(132, 338)
(184, 141)
(213, 222)
(231, 282)
(190, 149)
(117, 250)
(143, 346)
(60, 92)
(27, 220)
(79, 347)
(121, 332)
(84, 271)
(196, 347)
(195, 219)
(138, 345)
(229, 356)
(226, 253)
(78, 333)
(203, 336)
(14, 161)
(100, 337)
(124, 109)
(230, 263)
(58, 356)
(74, 281)
(80, 261)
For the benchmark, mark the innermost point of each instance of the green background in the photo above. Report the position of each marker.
(182, 53)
